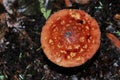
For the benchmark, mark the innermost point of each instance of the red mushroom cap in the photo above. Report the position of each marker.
(70, 37)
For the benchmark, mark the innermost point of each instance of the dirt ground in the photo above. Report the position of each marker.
(22, 58)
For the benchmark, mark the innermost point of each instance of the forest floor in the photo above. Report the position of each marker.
(21, 59)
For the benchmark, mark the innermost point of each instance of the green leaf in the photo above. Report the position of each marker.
(118, 33)
(47, 14)
(39, 48)
(43, 10)
(2, 77)
(20, 55)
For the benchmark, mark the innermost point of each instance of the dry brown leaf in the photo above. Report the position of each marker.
(116, 17)
(68, 3)
(2, 17)
(1, 1)
(114, 39)
(2, 28)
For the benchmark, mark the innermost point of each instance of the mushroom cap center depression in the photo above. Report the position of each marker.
(69, 36)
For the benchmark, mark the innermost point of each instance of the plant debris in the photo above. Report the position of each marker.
(114, 39)
(117, 17)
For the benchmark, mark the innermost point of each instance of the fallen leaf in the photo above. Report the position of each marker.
(114, 39)
(68, 3)
(1, 1)
(116, 17)
(3, 29)
(2, 18)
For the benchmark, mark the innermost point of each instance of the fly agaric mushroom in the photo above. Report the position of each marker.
(70, 37)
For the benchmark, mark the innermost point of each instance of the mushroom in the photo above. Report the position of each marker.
(70, 37)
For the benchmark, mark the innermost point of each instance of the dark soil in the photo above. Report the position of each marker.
(21, 59)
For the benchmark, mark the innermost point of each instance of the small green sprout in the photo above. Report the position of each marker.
(46, 12)
(21, 77)
(20, 55)
(3, 77)
(38, 49)
(118, 33)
